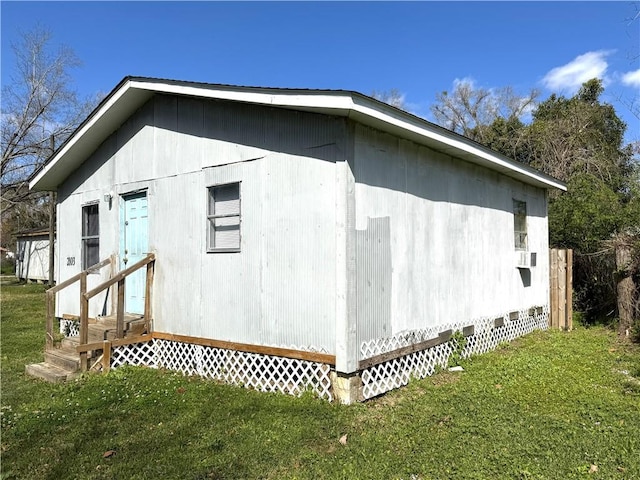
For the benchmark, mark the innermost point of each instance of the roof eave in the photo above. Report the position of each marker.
(448, 142)
(103, 121)
(132, 92)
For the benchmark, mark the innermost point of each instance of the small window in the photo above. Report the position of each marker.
(520, 224)
(223, 218)
(90, 236)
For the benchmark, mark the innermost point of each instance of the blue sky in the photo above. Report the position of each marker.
(418, 48)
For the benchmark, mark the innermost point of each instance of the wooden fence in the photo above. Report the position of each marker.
(561, 288)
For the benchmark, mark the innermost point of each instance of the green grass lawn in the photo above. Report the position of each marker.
(549, 406)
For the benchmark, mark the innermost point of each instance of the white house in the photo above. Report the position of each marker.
(302, 238)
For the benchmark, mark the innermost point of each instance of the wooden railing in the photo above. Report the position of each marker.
(82, 278)
(85, 296)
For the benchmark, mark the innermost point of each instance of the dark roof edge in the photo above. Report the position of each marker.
(356, 98)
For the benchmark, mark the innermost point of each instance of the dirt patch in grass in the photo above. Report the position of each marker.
(445, 377)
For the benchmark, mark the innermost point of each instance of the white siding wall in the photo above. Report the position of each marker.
(434, 235)
(280, 289)
(450, 236)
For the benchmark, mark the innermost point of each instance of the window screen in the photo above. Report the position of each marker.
(90, 236)
(223, 216)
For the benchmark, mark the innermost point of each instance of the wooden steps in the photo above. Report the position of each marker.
(66, 358)
(62, 363)
(105, 327)
(49, 372)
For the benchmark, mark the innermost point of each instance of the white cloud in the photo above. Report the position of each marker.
(632, 78)
(571, 76)
(468, 81)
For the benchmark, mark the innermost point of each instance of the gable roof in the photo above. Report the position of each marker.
(132, 92)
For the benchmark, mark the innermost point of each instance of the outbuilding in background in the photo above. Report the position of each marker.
(32, 255)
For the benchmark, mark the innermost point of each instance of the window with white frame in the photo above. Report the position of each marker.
(520, 224)
(223, 218)
(90, 236)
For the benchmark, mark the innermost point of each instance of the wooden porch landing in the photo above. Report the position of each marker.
(62, 362)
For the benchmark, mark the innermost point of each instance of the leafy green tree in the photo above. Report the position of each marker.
(585, 215)
(507, 136)
(580, 134)
(581, 141)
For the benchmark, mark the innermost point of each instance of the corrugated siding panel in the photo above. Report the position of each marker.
(229, 289)
(279, 289)
(236, 132)
(373, 279)
(177, 222)
(298, 250)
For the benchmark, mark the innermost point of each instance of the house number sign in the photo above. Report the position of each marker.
(71, 261)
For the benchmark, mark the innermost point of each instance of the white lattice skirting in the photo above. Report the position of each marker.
(69, 328)
(261, 372)
(292, 376)
(397, 372)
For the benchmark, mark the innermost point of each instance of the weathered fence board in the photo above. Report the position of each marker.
(561, 288)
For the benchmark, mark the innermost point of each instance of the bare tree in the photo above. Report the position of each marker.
(39, 111)
(632, 102)
(468, 108)
(393, 97)
(39, 108)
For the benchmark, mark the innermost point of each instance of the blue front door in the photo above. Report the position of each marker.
(134, 245)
